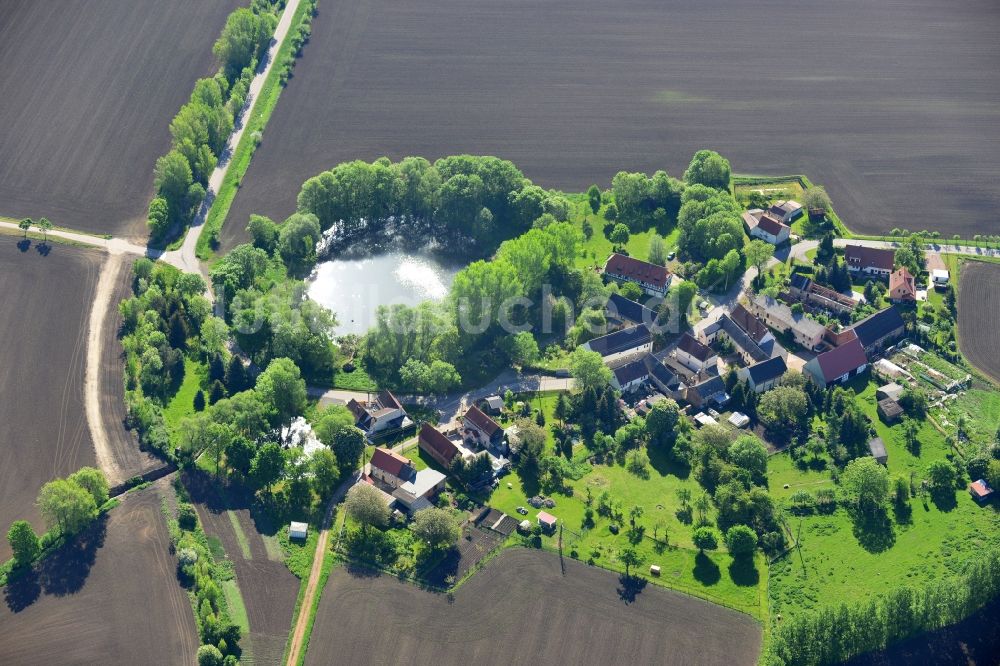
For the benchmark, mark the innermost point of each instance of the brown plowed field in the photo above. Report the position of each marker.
(979, 316)
(89, 89)
(896, 112)
(43, 325)
(111, 598)
(268, 588)
(521, 610)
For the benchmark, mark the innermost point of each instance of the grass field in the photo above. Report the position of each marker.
(838, 562)
(43, 321)
(522, 608)
(574, 91)
(85, 117)
(110, 597)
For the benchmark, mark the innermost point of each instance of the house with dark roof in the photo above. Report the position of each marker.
(889, 410)
(766, 226)
(481, 428)
(752, 339)
(662, 377)
(382, 415)
(879, 330)
(869, 260)
(765, 375)
(390, 468)
(624, 310)
(838, 365)
(902, 286)
(786, 211)
(712, 391)
(694, 354)
(806, 291)
(654, 280)
(437, 445)
(621, 346)
(630, 376)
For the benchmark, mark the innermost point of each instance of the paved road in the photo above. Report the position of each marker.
(185, 258)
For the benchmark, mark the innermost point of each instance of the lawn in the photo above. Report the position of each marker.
(181, 405)
(838, 562)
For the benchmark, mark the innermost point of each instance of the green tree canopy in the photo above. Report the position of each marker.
(66, 506)
(436, 527)
(365, 505)
(588, 369)
(23, 542)
(866, 482)
(708, 168)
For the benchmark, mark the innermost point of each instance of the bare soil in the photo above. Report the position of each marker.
(89, 89)
(111, 597)
(268, 588)
(979, 316)
(894, 112)
(43, 323)
(522, 609)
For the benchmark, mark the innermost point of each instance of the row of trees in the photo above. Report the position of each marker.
(201, 128)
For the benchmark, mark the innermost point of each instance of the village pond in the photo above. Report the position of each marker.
(354, 288)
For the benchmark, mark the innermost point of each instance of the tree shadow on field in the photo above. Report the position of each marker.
(666, 463)
(944, 500)
(62, 572)
(23, 245)
(629, 587)
(874, 531)
(43, 249)
(743, 572)
(706, 571)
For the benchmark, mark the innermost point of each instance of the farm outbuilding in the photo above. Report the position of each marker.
(980, 491)
(877, 448)
(298, 530)
(547, 521)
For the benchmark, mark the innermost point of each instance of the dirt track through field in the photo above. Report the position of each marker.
(979, 316)
(89, 90)
(518, 610)
(112, 598)
(895, 109)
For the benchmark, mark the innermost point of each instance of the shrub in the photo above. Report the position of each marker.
(741, 540)
(802, 502)
(187, 517)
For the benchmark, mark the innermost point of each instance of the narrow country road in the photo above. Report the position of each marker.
(112, 245)
(186, 258)
(305, 610)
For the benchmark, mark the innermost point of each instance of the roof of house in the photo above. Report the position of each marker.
(661, 372)
(437, 441)
(709, 388)
(877, 447)
(422, 483)
(391, 462)
(482, 421)
(357, 409)
(861, 256)
(494, 402)
(546, 518)
(774, 308)
(841, 360)
(630, 372)
(770, 225)
(902, 279)
(890, 408)
(873, 328)
(388, 400)
(768, 370)
(750, 217)
(799, 281)
(980, 488)
(744, 341)
(690, 345)
(751, 325)
(619, 341)
(624, 309)
(785, 207)
(620, 265)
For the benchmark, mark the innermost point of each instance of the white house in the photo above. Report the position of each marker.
(869, 260)
(765, 375)
(621, 346)
(694, 354)
(654, 280)
(805, 331)
(766, 227)
(382, 415)
(838, 365)
(630, 376)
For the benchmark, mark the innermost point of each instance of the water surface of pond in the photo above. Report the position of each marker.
(354, 288)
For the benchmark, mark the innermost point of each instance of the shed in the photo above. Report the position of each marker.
(703, 419)
(524, 526)
(493, 404)
(939, 277)
(980, 491)
(547, 521)
(298, 530)
(889, 410)
(892, 391)
(877, 448)
(739, 419)
(654, 569)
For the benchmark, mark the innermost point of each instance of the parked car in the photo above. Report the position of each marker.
(521, 510)
(671, 255)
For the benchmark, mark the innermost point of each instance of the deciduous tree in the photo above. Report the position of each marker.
(23, 542)
(436, 527)
(365, 505)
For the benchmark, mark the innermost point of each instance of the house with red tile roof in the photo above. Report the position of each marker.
(839, 364)
(481, 428)
(869, 260)
(902, 286)
(654, 280)
(437, 445)
(390, 468)
(766, 226)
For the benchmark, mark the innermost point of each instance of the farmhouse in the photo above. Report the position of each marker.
(869, 260)
(655, 280)
(711, 391)
(623, 310)
(766, 226)
(749, 335)
(621, 346)
(879, 330)
(838, 364)
(662, 377)
(630, 376)
(806, 291)
(765, 375)
(417, 493)
(694, 354)
(382, 415)
(389, 468)
(786, 211)
(902, 286)
(437, 445)
(399, 478)
(806, 332)
(877, 448)
(980, 491)
(480, 428)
